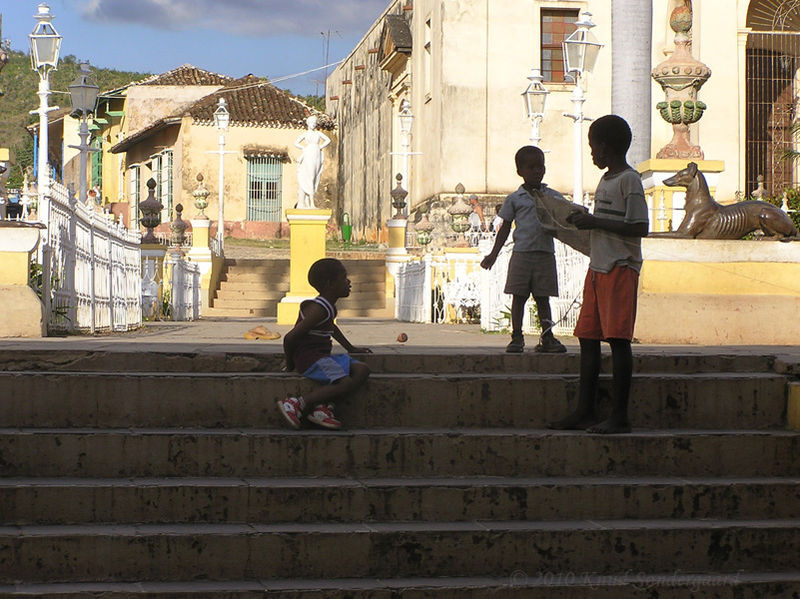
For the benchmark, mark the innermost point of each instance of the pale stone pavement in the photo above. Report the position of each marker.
(225, 335)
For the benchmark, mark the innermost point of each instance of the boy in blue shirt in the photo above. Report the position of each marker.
(532, 268)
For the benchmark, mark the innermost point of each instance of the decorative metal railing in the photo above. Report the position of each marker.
(452, 287)
(91, 268)
(184, 296)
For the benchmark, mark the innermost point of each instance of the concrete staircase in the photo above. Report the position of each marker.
(253, 287)
(168, 474)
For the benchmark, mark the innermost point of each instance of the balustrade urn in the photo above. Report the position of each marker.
(460, 212)
(399, 197)
(178, 228)
(201, 196)
(151, 212)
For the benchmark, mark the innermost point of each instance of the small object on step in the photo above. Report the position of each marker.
(402, 337)
(262, 333)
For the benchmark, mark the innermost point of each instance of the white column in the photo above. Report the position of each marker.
(631, 62)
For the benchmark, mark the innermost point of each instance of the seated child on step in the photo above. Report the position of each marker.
(308, 350)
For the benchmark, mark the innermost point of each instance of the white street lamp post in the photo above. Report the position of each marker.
(406, 118)
(221, 120)
(45, 44)
(534, 98)
(83, 95)
(580, 53)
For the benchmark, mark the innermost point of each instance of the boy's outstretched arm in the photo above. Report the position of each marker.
(584, 220)
(349, 347)
(502, 234)
(314, 314)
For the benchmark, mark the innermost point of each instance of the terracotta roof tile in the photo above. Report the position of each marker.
(187, 75)
(253, 101)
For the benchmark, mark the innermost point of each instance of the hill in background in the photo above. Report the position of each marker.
(20, 84)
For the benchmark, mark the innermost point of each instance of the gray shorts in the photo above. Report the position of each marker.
(532, 273)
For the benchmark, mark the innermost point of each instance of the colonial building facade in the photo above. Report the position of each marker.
(459, 67)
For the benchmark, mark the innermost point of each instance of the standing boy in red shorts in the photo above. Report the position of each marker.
(608, 312)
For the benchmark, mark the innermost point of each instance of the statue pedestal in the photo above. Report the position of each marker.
(24, 314)
(718, 292)
(306, 246)
(396, 255)
(665, 204)
(200, 254)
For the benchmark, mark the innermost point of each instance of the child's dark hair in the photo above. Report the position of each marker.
(613, 131)
(526, 153)
(324, 271)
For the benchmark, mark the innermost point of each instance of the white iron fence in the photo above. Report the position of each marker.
(184, 291)
(454, 288)
(91, 268)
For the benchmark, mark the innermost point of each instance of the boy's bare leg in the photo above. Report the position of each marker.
(329, 393)
(517, 312)
(622, 366)
(543, 312)
(584, 415)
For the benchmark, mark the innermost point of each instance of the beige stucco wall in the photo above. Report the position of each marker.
(470, 124)
(192, 145)
(147, 103)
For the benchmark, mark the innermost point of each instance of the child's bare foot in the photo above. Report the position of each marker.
(615, 425)
(577, 421)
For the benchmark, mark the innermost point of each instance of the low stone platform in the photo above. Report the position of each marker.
(139, 466)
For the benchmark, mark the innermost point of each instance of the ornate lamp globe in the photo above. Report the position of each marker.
(535, 96)
(83, 91)
(201, 196)
(581, 47)
(460, 211)
(45, 42)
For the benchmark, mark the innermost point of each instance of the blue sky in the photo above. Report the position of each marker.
(270, 38)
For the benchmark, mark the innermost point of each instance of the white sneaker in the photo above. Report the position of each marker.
(322, 415)
(292, 410)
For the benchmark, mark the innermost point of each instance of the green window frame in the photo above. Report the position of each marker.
(264, 182)
(97, 163)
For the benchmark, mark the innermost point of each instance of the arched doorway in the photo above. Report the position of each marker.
(773, 85)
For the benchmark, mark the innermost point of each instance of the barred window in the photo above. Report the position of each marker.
(264, 174)
(557, 25)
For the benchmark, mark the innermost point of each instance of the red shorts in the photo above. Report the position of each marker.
(609, 305)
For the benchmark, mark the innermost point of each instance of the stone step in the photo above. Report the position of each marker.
(209, 400)
(256, 293)
(516, 585)
(357, 278)
(150, 552)
(408, 360)
(25, 501)
(400, 452)
(266, 296)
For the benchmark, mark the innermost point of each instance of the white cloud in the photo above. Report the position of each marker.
(258, 18)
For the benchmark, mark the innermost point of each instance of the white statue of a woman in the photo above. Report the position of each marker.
(309, 165)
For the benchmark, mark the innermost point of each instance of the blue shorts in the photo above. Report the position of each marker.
(330, 368)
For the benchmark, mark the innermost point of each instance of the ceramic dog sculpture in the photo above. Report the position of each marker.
(706, 219)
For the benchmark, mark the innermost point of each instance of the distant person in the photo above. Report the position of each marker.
(476, 221)
(308, 350)
(497, 221)
(608, 312)
(532, 268)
